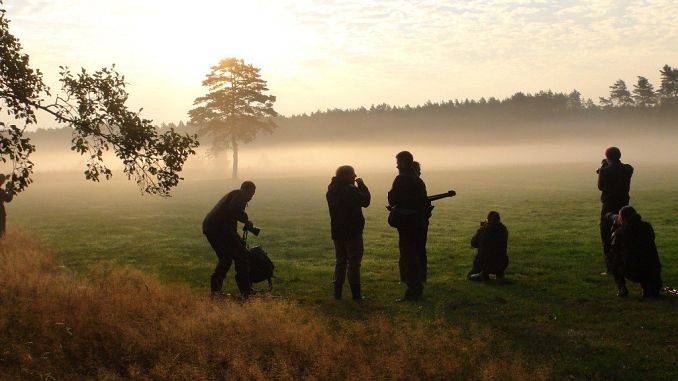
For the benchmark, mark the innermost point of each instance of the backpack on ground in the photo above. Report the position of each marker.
(261, 266)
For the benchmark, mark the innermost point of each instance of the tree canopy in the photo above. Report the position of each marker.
(94, 106)
(236, 108)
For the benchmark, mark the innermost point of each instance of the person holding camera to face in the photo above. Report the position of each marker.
(614, 182)
(346, 196)
(491, 240)
(220, 226)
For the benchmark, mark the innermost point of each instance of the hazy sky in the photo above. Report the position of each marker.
(320, 54)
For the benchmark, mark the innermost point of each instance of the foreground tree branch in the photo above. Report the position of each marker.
(94, 105)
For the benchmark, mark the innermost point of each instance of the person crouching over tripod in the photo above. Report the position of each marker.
(346, 196)
(491, 240)
(221, 229)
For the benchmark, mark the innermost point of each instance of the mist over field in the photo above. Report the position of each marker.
(317, 158)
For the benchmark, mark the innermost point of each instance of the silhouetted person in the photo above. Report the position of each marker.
(410, 207)
(423, 262)
(634, 254)
(491, 240)
(6, 195)
(345, 201)
(614, 182)
(221, 229)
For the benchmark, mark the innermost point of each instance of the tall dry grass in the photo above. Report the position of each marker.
(120, 323)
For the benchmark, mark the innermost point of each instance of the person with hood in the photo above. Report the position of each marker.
(491, 240)
(346, 196)
(220, 226)
(408, 203)
(614, 183)
(6, 195)
(634, 254)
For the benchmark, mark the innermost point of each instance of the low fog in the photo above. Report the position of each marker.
(321, 158)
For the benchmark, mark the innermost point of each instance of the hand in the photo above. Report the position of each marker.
(249, 225)
(359, 180)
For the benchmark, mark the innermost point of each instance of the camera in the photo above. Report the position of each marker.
(252, 229)
(603, 164)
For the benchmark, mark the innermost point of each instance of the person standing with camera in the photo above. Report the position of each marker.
(346, 196)
(220, 226)
(614, 182)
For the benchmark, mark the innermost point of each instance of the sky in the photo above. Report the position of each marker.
(341, 54)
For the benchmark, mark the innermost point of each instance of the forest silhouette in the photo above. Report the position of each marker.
(521, 117)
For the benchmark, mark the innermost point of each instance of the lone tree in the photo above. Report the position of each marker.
(94, 106)
(235, 108)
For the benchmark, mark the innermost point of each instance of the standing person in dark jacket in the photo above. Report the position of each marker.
(409, 203)
(614, 182)
(345, 201)
(220, 226)
(491, 240)
(6, 195)
(634, 254)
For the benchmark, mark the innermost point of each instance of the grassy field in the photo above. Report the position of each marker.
(555, 308)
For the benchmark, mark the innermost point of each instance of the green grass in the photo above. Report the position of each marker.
(555, 307)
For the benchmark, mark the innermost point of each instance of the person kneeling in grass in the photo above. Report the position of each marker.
(491, 240)
(634, 254)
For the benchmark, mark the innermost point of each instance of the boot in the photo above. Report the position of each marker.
(337, 290)
(412, 293)
(244, 286)
(355, 291)
(215, 285)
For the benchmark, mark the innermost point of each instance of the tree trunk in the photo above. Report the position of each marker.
(234, 145)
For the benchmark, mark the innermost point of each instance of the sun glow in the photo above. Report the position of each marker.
(195, 37)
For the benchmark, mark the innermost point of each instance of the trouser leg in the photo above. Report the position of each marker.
(475, 268)
(606, 235)
(3, 225)
(423, 258)
(340, 264)
(619, 280)
(354, 257)
(355, 249)
(224, 262)
(219, 274)
(410, 257)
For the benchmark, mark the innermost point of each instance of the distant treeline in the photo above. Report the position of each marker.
(520, 117)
